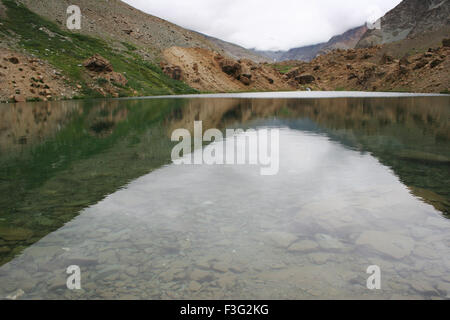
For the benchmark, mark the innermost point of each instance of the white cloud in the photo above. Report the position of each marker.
(268, 24)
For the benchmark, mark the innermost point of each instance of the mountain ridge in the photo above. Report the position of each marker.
(346, 40)
(409, 20)
(151, 34)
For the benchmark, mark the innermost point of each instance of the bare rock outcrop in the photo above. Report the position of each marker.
(102, 72)
(174, 72)
(97, 63)
(207, 70)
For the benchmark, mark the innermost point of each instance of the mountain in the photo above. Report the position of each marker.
(347, 40)
(237, 52)
(411, 19)
(306, 53)
(117, 52)
(122, 52)
(118, 22)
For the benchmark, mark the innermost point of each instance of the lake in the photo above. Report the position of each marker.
(363, 180)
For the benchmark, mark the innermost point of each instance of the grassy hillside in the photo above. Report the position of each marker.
(67, 50)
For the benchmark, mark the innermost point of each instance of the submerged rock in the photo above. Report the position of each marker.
(328, 242)
(194, 286)
(394, 245)
(281, 239)
(302, 246)
(320, 257)
(16, 295)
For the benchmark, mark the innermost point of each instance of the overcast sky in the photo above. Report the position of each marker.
(268, 24)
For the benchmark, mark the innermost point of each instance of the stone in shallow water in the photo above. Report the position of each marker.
(57, 282)
(220, 267)
(426, 252)
(444, 287)
(237, 268)
(200, 275)
(423, 287)
(226, 280)
(8, 285)
(194, 286)
(203, 264)
(132, 271)
(281, 239)
(44, 253)
(303, 245)
(16, 295)
(328, 242)
(394, 245)
(319, 257)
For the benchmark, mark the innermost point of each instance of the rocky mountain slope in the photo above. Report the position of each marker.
(42, 60)
(409, 20)
(371, 69)
(118, 22)
(121, 51)
(207, 70)
(347, 40)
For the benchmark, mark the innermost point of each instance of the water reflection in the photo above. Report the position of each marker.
(348, 167)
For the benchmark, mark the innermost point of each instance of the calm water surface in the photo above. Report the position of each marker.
(362, 181)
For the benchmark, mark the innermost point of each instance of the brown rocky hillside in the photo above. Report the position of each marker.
(372, 69)
(210, 71)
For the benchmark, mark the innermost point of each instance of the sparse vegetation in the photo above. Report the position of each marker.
(67, 50)
(282, 68)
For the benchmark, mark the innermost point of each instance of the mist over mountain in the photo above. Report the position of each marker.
(347, 40)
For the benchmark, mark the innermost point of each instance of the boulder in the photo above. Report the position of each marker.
(293, 73)
(173, 72)
(231, 67)
(435, 63)
(404, 61)
(351, 56)
(305, 79)
(13, 60)
(245, 79)
(97, 63)
(386, 59)
(420, 64)
(118, 78)
(402, 70)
